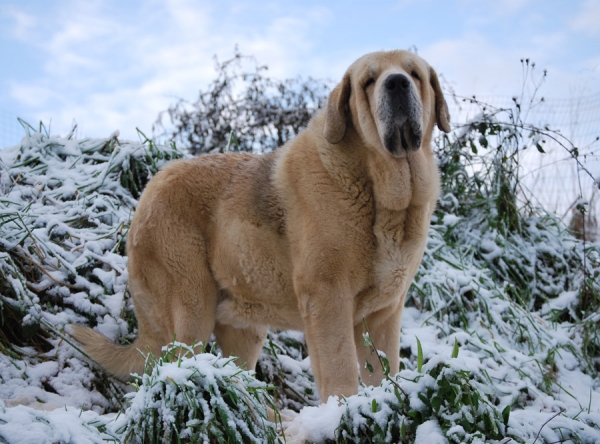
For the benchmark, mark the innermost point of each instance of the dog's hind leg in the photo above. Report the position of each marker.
(173, 289)
(194, 309)
(245, 343)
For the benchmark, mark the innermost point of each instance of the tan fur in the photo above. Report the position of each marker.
(316, 236)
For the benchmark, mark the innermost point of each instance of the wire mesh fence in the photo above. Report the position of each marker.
(554, 178)
(10, 129)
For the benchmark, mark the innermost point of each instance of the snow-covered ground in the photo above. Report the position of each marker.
(494, 319)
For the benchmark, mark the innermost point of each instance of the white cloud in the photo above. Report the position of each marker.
(34, 95)
(588, 18)
(110, 72)
(510, 7)
(474, 66)
(23, 23)
(113, 66)
(498, 7)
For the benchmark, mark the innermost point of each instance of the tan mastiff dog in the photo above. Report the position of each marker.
(315, 236)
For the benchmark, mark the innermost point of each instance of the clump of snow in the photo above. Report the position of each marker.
(315, 424)
(21, 424)
(450, 219)
(430, 432)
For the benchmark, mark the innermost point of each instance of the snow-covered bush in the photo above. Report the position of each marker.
(65, 209)
(460, 400)
(183, 397)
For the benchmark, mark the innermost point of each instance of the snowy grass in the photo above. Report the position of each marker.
(500, 338)
(461, 403)
(65, 208)
(196, 398)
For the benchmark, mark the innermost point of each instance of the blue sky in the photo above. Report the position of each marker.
(112, 65)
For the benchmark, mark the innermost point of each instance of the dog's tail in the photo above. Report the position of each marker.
(119, 360)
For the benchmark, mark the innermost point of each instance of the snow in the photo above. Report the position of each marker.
(450, 219)
(430, 432)
(70, 213)
(25, 425)
(315, 424)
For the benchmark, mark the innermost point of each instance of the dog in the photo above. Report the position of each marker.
(322, 235)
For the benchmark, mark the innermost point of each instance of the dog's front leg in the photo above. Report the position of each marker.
(327, 313)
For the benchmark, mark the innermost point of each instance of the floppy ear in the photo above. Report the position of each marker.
(441, 108)
(336, 118)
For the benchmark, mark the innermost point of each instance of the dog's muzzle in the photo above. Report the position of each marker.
(400, 113)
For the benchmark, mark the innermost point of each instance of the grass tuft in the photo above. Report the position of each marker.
(184, 397)
(459, 400)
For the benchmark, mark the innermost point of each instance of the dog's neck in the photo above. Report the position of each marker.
(392, 182)
(396, 183)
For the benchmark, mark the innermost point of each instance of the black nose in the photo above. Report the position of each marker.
(397, 81)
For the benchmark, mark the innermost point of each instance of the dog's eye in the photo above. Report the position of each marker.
(415, 75)
(369, 83)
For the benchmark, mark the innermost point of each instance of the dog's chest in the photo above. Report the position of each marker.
(401, 237)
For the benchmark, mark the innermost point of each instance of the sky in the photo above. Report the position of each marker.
(115, 65)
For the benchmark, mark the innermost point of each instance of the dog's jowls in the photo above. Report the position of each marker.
(316, 236)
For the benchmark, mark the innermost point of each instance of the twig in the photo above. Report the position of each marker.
(544, 424)
(40, 253)
(43, 270)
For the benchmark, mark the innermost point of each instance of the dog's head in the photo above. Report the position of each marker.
(392, 100)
